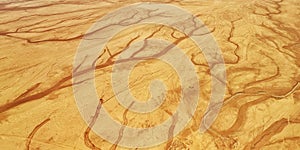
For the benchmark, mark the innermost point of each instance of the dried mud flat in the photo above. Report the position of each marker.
(259, 40)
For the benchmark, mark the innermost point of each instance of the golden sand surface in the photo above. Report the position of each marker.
(259, 41)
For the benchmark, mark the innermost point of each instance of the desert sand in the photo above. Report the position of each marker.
(259, 41)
